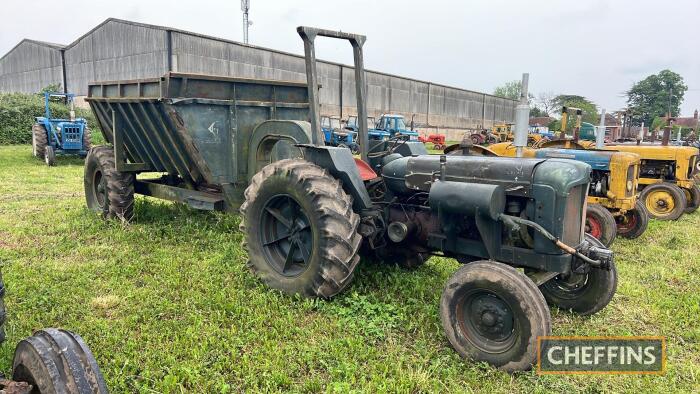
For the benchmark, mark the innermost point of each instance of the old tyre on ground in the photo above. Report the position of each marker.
(492, 312)
(57, 361)
(39, 140)
(634, 222)
(300, 229)
(692, 198)
(108, 191)
(584, 294)
(664, 201)
(49, 156)
(600, 223)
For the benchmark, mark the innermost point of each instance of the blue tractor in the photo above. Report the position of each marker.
(336, 135)
(52, 136)
(372, 134)
(395, 125)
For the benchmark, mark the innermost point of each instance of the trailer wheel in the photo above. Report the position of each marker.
(492, 312)
(664, 201)
(57, 361)
(600, 223)
(49, 156)
(692, 197)
(39, 140)
(300, 229)
(108, 191)
(584, 294)
(87, 138)
(634, 222)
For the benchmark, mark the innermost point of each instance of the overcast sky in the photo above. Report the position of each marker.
(594, 48)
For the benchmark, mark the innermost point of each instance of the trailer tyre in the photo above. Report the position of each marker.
(664, 201)
(39, 140)
(300, 229)
(634, 222)
(492, 312)
(57, 361)
(108, 191)
(584, 294)
(600, 223)
(692, 197)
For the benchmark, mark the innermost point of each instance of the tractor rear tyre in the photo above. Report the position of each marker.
(492, 312)
(108, 191)
(664, 201)
(584, 294)
(87, 138)
(57, 361)
(634, 222)
(49, 156)
(300, 229)
(600, 223)
(39, 140)
(692, 197)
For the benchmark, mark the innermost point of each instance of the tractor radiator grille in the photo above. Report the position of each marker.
(70, 134)
(574, 215)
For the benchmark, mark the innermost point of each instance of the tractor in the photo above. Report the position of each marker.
(667, 173)
(438, 141)
(50, 361)
(613, 206)
(335, 134)
(374, 134)
(395, 125)
(53, 136)
(310, 212)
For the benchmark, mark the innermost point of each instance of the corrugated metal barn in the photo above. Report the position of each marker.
(119, 50)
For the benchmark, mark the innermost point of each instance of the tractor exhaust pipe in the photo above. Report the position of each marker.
(522, 116)
(600, 135)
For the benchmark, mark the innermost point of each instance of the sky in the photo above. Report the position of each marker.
(592, 48)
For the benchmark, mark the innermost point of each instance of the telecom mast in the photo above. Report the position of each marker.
(245, 6)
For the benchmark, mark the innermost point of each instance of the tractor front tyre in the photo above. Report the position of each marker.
(600, 223)
(634, 222)
(87, 138)
(494, 313)
(692, 197)
(664, 201)
(49, 156)
(299, 228)
(108, 191)
(39, 140)
(584, 294)
(57, 361)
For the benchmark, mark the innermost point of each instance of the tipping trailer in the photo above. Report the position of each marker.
(309, 211)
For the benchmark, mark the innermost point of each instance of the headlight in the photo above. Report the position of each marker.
(385, 138)
(630, 185)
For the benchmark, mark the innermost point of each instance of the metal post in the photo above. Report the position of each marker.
(522, 116)
(361, 92)
(600, 136)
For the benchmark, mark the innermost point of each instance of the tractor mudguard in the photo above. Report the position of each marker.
(274, 140)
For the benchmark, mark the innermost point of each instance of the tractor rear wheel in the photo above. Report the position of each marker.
(300, 229)
(57, 361)
(108, 191)
(39, 140)
(634, 222)
(664, 201)
(692, 197)
(600, 223)
(584, 294)
(49, 156)
(492, 312)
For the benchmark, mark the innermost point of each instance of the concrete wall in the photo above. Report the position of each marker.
(30, 67)
(123, 50)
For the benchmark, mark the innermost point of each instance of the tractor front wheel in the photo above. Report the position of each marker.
(600, 223)
(49, 156)
(492, 312)
(634, 222)
(692, 197)
(39, 140)
(584, 294)
(664, 201)
(108, 191)
(87, 138)
(300, 229)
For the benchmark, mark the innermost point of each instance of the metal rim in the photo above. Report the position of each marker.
(286, 235)
(487, 321)
(569, 287)
(47, 157)
(660, 202)
(594, 227)
(99, 189)
(628, 222)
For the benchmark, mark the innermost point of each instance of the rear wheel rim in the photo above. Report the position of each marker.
(286, 236)
(660, 202)
(487, 321)
(99, 189)
(594, 227)
(628, 222)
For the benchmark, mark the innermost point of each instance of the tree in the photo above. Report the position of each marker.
(548, 103)
(512, 91)
(536, 112)
(649, 97)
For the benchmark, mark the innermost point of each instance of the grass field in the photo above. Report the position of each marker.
(167, 305)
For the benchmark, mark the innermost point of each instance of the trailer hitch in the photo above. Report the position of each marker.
(592, 255)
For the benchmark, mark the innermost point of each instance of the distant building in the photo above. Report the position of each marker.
(540, 124)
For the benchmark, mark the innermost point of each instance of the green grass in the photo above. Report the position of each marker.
(167, 305)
